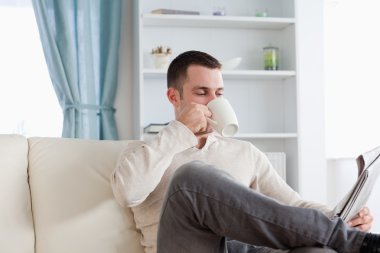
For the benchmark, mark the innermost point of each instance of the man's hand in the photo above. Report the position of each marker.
(362, 221)
(194, 117)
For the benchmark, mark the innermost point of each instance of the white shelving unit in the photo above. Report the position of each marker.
(265, 101)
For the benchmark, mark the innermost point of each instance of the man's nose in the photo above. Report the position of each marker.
(212, 97)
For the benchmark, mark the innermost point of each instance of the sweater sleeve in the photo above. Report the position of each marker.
(267, 181)
(142, 165)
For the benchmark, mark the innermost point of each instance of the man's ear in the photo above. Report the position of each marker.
(173, 96)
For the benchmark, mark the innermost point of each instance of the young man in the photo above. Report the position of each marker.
(223, 193)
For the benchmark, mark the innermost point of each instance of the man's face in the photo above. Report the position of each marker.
(201, 86)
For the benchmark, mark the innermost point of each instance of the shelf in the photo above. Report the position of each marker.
(216, 21)
(236, 74)
(266, 136)
(154, 73)
(258, 74)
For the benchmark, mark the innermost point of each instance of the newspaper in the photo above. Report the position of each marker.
(368, 171)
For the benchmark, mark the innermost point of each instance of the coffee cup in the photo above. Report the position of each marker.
(223, 118)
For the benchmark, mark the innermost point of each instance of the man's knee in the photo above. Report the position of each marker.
(196, 171)
(188, 172)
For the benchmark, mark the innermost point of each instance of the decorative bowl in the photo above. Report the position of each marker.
(231, 63)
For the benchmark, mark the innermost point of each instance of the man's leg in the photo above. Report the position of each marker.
(234, 246)
(204, 205)
(312, 250)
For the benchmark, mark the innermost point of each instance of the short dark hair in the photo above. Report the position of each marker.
(177, 72)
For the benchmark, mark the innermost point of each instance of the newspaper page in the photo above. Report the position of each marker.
(357, 197)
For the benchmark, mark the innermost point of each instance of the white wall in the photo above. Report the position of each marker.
(352, 79)
(309, 44)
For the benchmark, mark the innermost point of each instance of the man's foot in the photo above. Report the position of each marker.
(371, 244)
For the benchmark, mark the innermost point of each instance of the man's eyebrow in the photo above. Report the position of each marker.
(200, 87)
(205, 88)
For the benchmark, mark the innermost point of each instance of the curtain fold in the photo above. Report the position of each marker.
(80, 39)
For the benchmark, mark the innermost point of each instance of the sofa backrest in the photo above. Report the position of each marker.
(16, 223)
(73, 205)
(68, 205)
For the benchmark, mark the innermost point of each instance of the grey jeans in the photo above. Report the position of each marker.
(234, 246)
(204, 206)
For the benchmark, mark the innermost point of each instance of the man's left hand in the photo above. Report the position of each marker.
(362, 221)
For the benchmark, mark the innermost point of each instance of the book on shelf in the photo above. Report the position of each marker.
(368, 170)
(154, 128)
(172, 11)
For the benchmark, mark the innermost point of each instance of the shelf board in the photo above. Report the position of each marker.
(237, 74)
(266, 135)
(258, 74)
(216, 21)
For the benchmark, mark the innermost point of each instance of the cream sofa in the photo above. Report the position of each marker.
(56, 197)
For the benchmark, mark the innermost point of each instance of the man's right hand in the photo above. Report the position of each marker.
(194, 117)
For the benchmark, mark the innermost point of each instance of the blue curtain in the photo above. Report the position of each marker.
(80, 39)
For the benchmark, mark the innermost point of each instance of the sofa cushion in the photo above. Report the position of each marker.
(16, 223)
(73, 205)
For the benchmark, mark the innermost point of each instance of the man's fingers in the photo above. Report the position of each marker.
(363, 221)
(364, 211)
(364, 227)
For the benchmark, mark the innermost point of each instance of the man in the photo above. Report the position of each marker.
(224, 193)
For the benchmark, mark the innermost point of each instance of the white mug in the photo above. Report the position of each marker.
(223, 117)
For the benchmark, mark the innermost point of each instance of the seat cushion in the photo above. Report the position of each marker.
(73, 205)
(16, 223)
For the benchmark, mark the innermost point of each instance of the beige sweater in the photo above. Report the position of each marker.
(144, 170)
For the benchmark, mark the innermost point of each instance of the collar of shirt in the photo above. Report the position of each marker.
(211, 138)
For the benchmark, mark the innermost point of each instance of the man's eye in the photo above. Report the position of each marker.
(219, 94)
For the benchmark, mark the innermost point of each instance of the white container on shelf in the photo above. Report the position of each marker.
(161, 61)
